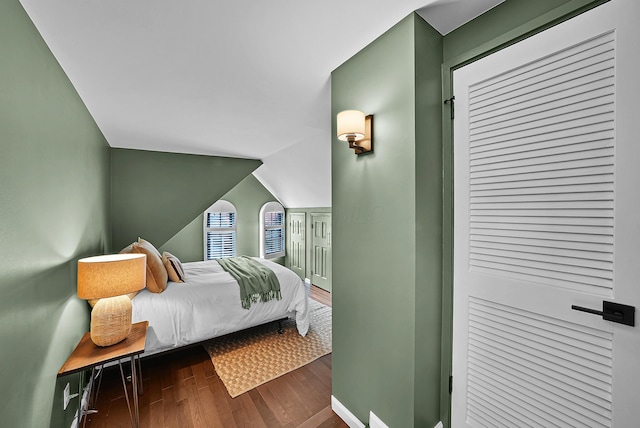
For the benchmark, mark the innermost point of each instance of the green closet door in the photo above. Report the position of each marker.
(297, 244)
(321, 250)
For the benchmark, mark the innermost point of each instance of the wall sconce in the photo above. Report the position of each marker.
(357, 129)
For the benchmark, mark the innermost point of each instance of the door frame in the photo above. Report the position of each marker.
(541, 23)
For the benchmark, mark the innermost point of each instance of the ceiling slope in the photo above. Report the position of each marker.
(242, 78)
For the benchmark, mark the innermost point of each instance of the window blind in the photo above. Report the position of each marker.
(220, 235)
(221, 220)
(274, 233)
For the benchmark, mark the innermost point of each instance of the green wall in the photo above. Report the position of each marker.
(386, 212)
(187, 245)
(155, 194)
(308, 237)
(248, 196)
(54, 206)
(428, 231)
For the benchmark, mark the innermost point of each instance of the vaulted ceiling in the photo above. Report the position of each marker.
(237, 78)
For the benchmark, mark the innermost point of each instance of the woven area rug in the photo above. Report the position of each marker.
(251, 357)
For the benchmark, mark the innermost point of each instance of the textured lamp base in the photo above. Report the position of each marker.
(111, 320)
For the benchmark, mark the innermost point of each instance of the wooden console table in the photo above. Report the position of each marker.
(88, 355)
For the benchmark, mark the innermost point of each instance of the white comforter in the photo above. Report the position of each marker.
(208, 305)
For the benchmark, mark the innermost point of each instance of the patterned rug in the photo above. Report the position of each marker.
(251, 357)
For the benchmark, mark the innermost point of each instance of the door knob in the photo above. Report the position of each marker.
(614, 312)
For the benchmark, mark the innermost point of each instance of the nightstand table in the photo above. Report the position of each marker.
(88, 355)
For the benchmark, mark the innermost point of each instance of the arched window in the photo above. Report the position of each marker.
(272, 230)
(220, 230)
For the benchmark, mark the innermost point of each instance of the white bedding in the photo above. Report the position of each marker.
(208, 305)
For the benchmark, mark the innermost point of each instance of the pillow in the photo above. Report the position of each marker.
(149, 245)
(173, 266)
(127, 250)
(156, 273)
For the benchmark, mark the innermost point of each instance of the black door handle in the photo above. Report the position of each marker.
(614, 312)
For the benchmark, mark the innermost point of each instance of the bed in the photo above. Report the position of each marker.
(207, 305)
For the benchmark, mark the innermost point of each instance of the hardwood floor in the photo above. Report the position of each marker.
(320, 295)
(182, 389)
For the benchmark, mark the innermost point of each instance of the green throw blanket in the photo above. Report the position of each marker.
(257, 282)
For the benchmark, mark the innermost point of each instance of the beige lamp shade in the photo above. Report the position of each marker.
(351, 123)
(108, 278)
(111, 275)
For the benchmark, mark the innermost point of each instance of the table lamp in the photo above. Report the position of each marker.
(109, 278)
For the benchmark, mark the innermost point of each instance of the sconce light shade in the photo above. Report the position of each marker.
(109, 278)
(356, 128)
(350, 123)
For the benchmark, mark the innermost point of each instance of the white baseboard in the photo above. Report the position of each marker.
(376, 422)
(439, 425)
(345, 414)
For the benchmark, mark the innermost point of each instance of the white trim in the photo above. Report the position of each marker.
(376, 422)
(272, 207)
(345, 414)
(439, 425)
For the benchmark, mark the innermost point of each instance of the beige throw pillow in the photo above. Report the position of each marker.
(173, 266)
(156, 273)
(149, 245)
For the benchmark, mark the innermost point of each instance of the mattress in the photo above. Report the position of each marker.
(208, 305)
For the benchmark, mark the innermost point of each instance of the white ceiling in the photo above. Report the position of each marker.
(239, 78)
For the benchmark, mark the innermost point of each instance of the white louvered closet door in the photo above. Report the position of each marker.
(547, 215)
